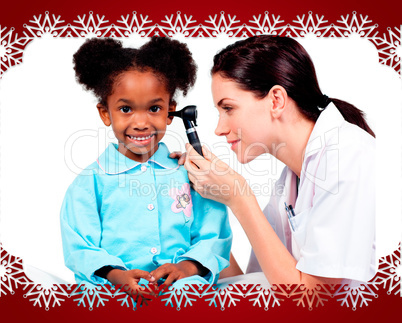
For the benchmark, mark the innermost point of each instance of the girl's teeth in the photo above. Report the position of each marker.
(140, 138)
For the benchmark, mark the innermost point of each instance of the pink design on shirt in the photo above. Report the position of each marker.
(182, 199)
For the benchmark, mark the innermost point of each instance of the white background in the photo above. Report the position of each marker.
(50, 130)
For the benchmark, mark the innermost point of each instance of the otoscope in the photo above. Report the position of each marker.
(189, 115)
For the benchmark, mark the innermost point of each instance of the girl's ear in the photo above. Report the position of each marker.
(104, 114)
(172, 107)
(278, 98)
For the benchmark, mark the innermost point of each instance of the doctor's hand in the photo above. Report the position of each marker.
(129, 280)
(214, 179)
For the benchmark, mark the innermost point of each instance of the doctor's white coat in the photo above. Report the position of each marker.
(334, 222)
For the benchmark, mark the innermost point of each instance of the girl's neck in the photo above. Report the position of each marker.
(140, 158)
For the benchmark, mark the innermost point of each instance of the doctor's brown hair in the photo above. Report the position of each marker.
(258, 63)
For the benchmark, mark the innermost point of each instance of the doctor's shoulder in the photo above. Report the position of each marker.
(347, 157)
(356, 157)
(353, 138)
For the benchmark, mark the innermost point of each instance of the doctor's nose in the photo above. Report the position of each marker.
(221, 128)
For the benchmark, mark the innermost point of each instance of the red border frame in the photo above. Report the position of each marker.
(21, 308)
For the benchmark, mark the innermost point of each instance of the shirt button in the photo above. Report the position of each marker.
(151, 207)
(154, 250)
(143, 168)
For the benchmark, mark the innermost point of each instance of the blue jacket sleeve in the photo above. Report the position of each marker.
(211, 236)
(81, 233)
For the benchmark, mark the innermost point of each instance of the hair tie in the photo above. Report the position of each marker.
(325, 100)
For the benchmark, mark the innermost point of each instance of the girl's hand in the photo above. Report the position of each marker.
(214, 179)
(178, 155)
(129, 279)
(173, 272)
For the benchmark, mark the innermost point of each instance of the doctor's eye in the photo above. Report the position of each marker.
(227, 109)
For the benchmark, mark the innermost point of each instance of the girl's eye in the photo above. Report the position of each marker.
(125, 109)
(154, 108)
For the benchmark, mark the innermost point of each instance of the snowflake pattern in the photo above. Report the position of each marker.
(11, 48)
(181, 297)
(265, 25)
(355, 25)
(11, 273)
(134, 302)
(261, 296)
(222, 25)
(306, 297)
(356, 296)
(48, 26)
(47, 296)
(91, 295)
(225, 296)
(178, 26)
(306, 25)
(389, 276)
(219, 25)
(92, 26)
(390, 48)
(134, 26)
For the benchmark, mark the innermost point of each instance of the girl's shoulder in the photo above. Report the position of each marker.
(87, 177)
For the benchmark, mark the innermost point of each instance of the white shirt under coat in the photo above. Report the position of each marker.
(334, 222)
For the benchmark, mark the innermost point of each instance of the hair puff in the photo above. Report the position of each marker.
(170, 59)
(98, 61)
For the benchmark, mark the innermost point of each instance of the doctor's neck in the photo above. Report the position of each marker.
(294, 133)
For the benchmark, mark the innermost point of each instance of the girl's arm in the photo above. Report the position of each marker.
(81, 233)
(216, 180)
(211, 236)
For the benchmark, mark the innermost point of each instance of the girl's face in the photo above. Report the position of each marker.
(138, 110)
(244, 119)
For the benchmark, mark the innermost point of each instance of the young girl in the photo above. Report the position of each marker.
(131, 214)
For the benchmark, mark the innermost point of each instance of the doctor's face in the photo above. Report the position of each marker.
(243, 119)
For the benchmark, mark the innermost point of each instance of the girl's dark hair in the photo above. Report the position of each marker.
(98, 62)
(258, 63)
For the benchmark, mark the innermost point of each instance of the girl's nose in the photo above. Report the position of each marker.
(222, 129)
(139, 121)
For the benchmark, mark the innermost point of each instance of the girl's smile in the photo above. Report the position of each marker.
(138, 110)
(141, 140)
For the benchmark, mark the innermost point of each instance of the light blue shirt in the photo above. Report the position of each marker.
(132, 215)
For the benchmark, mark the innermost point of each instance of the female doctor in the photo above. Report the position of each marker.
(319, 226)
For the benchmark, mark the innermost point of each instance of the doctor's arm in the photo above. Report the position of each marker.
(233, 269)
(216, 180)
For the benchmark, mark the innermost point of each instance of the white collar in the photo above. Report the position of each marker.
(329, 120)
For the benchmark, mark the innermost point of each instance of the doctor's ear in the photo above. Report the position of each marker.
(278, 98)
(104, 114)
